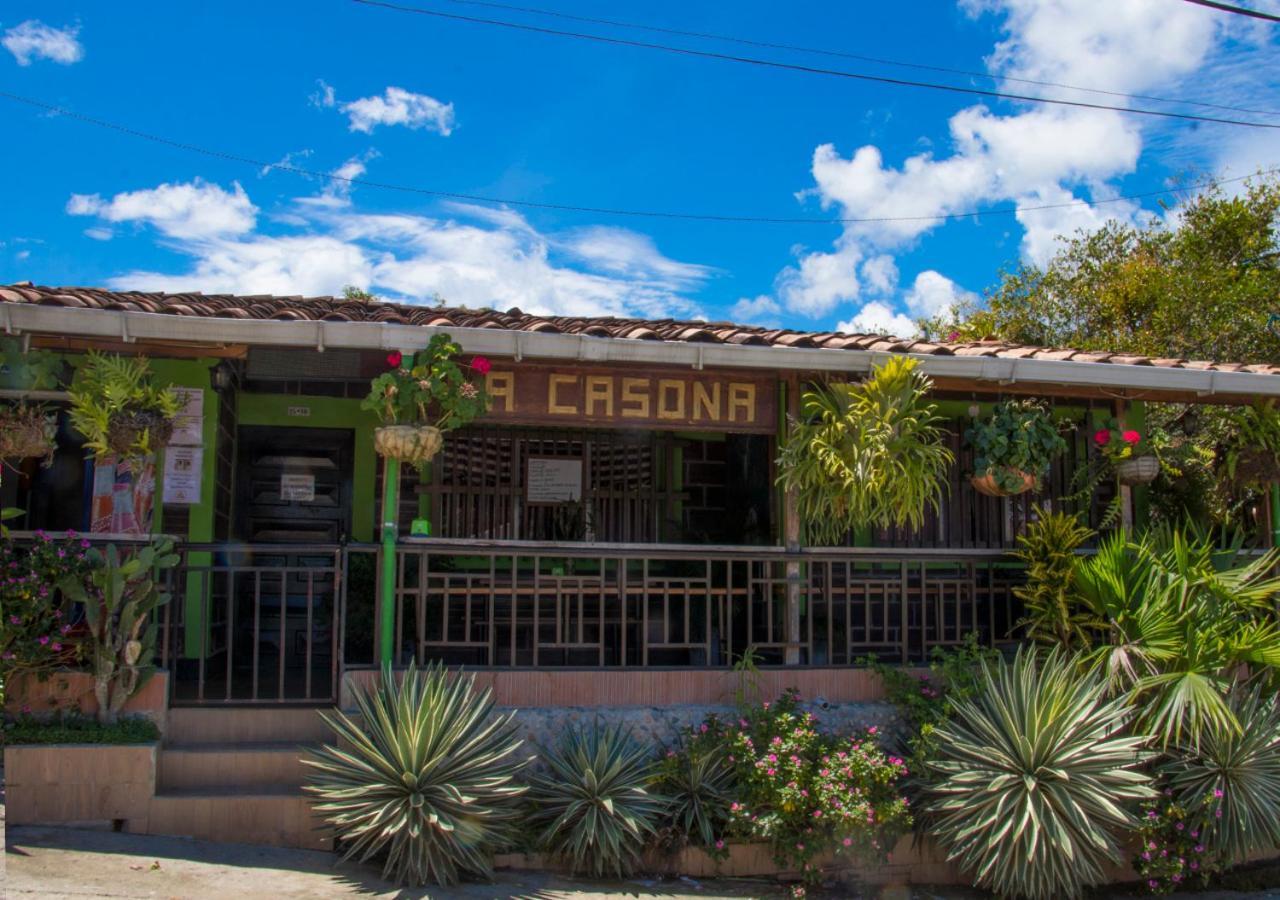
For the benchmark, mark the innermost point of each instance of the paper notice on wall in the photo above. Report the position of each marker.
(297, 487)
(188, 427)
(183, 471)
(551, 480)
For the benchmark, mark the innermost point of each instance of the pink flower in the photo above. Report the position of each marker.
(44, 639)
(848, 842)
(703, 729)
(1131, 437)
(871, 730)
(953, 336)
(56, 647)
(1102, 437)
(481, 365)
(719, 845)
(1217, 792)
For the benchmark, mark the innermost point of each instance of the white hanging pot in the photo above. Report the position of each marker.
(413, 444)
(1138, 470)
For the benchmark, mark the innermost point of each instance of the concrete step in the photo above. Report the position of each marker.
(275, 817)
(246, 725)
(183, 767)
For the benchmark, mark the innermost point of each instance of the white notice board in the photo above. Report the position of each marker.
(297, 487)
(552, 479)
(183, 467)
(188, 427)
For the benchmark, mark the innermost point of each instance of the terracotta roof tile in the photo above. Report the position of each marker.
(339, 309)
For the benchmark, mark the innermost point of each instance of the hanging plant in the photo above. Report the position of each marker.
(1251, 457)
(872, 453)
(27, 429)
(421, 396)
(1129, 451)
(1013, 448)
(119, 408)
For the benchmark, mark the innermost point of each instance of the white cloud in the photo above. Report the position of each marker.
(933, 294)
(397, 106)
(489, 258)
(194, 211)
(337, 190)
(22, 254)
(99, 234)
(34, 40)
(821, 280)
(877, 318)
(880, 274)
(324, 97)
(761, 310)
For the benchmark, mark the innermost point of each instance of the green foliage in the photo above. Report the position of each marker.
(429, 388)
(1179, 616)
(697, 779)
(77, 729)
(1053, 614)
(867, 454)
(31, 370)
(35, 619)
(120, 597)
(1171, 851)
(593, 807)
(1019, 437)
(118, 406)
(746, 673)
(1033, 776)
(1229, 782)
(1251, 455)
(423, 778)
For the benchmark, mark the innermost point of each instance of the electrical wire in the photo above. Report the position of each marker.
(840, 54)
(1238, 10)
(810, 70)
(564, 207)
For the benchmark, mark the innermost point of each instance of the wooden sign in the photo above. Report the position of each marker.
(633, 398)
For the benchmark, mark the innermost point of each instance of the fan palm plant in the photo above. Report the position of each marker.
(424, 778)
(872, 453)
(1230, 782)
(1032, 777)
(592, 805)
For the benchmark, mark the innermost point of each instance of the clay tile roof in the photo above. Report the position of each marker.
(338, 309)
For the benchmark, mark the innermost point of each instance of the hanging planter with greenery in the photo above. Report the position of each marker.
(28, 429)
(1251, 457)
(420, 397)
(1129, 452)
(867, 454)
(119, 407)
(1014, 448)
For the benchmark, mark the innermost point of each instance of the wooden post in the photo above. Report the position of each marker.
(791, 537)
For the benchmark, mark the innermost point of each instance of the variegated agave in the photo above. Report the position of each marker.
(592, 804)
(1230, 782)
(698, 783)
(1032, 778)
(423, 779)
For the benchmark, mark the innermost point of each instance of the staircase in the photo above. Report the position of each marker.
(236, 775)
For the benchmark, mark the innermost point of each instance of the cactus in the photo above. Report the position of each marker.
(119, 598)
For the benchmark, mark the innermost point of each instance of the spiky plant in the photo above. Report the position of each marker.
(592, 805)
(1054, 614)
(424, 778)
(697, 781)
(1031, 778)
(872, 453)
(1231, 780)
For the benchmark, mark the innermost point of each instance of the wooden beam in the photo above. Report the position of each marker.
(791, 531)
(172, 350)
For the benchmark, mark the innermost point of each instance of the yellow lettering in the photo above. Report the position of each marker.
(742, 397)
(665, 387)
(554, 407)
(635, 391)
(708, 402)
(501, 386)
(599, 391)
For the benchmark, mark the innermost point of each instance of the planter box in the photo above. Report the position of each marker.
(59, 784)
(63, 691)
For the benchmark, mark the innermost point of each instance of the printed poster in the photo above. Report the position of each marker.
(123, 496)
(183, 471)
(188, 427)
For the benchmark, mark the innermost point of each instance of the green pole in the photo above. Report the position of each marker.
(390, 509)
(1275, 515)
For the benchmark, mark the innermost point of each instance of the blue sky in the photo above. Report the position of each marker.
(412, 100)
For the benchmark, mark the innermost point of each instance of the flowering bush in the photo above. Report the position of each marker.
(1118, 442)
(429, 387)
(805, 792)
(36, 633)
(1172, 853)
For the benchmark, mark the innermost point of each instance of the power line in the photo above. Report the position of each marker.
(1238, 10)
(564, 207)
(810, 70)
(840, 54)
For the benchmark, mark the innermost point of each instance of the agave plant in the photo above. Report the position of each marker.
(872, 453)
(1230, 781)
(697, 781)
(1032, 776)
(424, 778)
(592, 805)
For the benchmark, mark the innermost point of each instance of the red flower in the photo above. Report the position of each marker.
(1131, 436)
(481, 365)
(394, 358)
(1102, 437)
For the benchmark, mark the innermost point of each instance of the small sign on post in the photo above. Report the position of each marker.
(552, 479)
(297, 487)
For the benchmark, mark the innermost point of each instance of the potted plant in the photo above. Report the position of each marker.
(421, 396)
(119, 407)
(1013, 448)
(28, 429)
(1251, 456)
(1129, 451)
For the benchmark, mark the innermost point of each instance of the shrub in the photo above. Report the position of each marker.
(1033, 775)
(697, 779)
(592, 806)
(1229, 782)
(424, 779)
(428, 388)
(77, 729)
(36, 630)
(808, 793)
(1054, 613)
(1171, 850)
(1018, 438)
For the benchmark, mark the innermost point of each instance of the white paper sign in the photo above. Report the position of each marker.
(297, 487)
(188, 427)
(183, 471)
(553, 480)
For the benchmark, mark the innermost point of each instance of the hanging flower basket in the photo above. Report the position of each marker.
(988, 485)
(26, 432)
(125, 429)
(1256, 466)
(1138, 470)
(415, 444)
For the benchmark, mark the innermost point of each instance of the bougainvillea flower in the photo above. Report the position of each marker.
(1131, 436)
(1102, 436)
(481, 364)
(394, 358)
